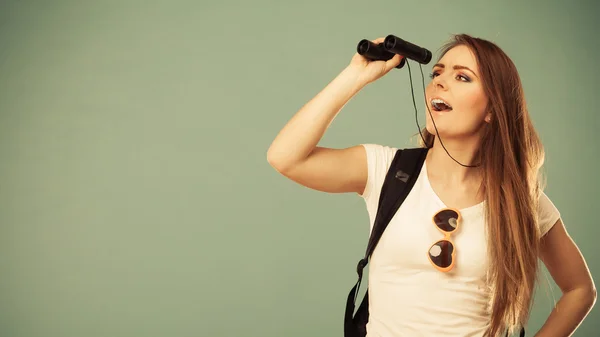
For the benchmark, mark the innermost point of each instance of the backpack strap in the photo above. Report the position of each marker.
(399, 180)
(521, 334)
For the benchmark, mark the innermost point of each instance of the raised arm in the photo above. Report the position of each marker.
(294, 152)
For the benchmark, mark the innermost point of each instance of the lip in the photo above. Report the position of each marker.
(437, 97)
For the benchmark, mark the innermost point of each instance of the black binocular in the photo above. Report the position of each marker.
(393, 45)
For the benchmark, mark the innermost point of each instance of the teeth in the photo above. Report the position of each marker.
(440, 104)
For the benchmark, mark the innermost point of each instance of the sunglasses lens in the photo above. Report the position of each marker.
(446, 220)
(441, 253)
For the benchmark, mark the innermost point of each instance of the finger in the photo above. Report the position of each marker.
(378, 40)
(393, 62)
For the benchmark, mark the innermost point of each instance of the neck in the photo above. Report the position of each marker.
(443, 167)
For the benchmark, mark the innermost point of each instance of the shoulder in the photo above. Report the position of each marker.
(379, 159)
(379, 153)
(548, 214)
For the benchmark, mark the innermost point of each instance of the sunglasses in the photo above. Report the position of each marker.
(442, 253)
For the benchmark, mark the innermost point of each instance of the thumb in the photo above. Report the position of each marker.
(393, 62)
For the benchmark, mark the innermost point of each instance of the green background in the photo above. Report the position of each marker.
(135, 194)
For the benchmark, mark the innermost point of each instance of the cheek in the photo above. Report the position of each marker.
(473, 102)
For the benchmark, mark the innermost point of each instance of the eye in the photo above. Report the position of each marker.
(460, 77)
(463, 78)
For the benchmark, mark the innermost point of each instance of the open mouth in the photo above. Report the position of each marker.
(440, 105)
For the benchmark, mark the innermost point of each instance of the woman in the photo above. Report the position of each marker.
(483, 161)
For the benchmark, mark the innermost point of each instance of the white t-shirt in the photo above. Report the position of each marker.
(407, 296)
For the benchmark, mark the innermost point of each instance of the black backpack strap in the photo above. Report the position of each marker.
(400, 178)
(521, 334)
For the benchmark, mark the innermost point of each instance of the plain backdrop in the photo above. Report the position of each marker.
(135, 194)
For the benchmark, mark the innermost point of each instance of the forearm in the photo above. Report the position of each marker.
(302, 133)
(568, 313)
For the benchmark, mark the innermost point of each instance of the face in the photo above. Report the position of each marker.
(456, 80)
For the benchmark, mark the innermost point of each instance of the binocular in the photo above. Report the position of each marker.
(393, 45)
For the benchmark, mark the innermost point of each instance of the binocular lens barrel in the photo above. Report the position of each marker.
(396, 45)
(393, 45)
(376, 52)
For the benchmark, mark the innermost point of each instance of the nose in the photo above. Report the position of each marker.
(439, 83)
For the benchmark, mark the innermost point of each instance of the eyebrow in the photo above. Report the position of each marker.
(456, 67)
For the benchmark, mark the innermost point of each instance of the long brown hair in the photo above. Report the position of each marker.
(511, 156)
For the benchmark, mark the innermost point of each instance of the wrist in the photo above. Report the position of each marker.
(353, 76)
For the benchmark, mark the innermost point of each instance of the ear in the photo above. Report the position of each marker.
(488, 117)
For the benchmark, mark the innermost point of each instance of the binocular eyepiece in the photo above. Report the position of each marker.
(393, 45)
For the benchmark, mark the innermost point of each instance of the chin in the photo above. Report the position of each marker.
(431, 129)
(444, 123)
(442, 130)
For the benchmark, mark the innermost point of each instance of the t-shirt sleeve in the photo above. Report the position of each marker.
(548, 214)
(379, 159)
